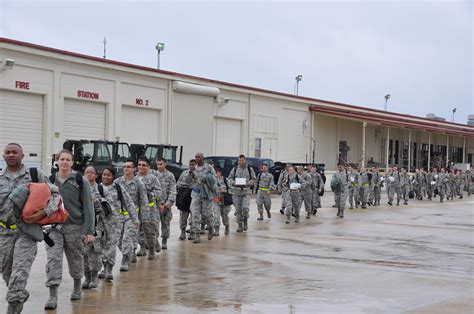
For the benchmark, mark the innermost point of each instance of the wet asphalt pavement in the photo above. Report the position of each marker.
(416, 258)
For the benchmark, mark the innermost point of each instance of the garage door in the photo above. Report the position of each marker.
(140, 125)
(21, 121)
(83, 120)
(228, 137)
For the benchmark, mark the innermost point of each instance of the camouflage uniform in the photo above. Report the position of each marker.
(222, 211)
(377, 181)
(104, 232)
(265, 183)
(317, 184)
(364, 188)
(293, 197)
(168, 196)
(307, 193)
(340, 194)
(153, 190)
(283, 173)
(405, 186)
(201, 206)
(18, 250)
(469, 182)
(393, 186)
(68, 237)
(430, 186)
(442, 184)
(354, 178)
(138, 193)
(125, 228)
(451, 185)
(460, 179)
(186, 180)
(242, 195)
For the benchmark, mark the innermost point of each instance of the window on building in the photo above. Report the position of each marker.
(258, 147)
(456, 154)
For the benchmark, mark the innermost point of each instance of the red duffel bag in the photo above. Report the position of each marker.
(38, 198)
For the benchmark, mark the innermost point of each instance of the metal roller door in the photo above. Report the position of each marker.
(228, 137)
(140, 125)
(21, 121)
(84, 120)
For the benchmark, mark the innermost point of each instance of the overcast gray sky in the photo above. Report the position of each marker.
(421, 52)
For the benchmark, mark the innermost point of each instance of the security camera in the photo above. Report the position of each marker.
(6, 64)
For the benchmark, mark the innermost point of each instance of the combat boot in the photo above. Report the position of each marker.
(269, 215)
(216, 231)
(287, 219)
(282, 211)
(151, 253)
(102, 273)
(17, 306)
(406, 203)
(108, 272)
(260, 217)
(341, 215)
(164, 243)
(53, 298)
(77, 290)
(210, 233)
(182, 237)
(240, 229)
(125, 263)
(226, 232)
(192, 237)
(94, 280)
(142, 251)
(197, 239)
(246, 226)
(87, 281)
(133, 259)
(338, 212)
(398, 202)
(158, 246)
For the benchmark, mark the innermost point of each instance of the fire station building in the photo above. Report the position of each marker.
(49, 95)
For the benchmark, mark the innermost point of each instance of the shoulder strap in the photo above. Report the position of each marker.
(119, 194)
(226, 185)
(79, 181)
(250, 171)
(297, 178)
(101, 189)
(34, 174)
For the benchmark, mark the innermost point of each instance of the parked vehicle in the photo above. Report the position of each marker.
(226, 163)
(103, 154)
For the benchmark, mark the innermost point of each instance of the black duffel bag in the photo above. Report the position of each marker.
(411, 194)
(228, 198)
(183, 199)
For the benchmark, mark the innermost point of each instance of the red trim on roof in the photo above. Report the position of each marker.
(179, 75)
(394, 121)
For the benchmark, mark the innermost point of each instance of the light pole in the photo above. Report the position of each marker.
(298, 79)
(387, 97)
(159, 48)
(454, 111)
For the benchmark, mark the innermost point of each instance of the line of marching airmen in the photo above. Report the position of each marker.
(128, 212)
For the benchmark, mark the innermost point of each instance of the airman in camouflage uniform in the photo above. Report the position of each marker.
(364, 187)
(265, 184)
(293, 193)
(441, 183)
(405, 185)
(167, 199)
(138, 193)
(393, 178)
(317, 187)
(126, 227)
(187, 179)
(283, 173)
(104, 231)
(202, 195)
(469, 182)
(221, 210)
(18, 249)
(242, 193)
(340, 183)
(153, 189)
(353, 195)
(377, 182)
(306, 191)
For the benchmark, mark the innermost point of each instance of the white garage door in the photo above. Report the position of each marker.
(83, 120)
(228, 137)
(21, 121)
(140, 125)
